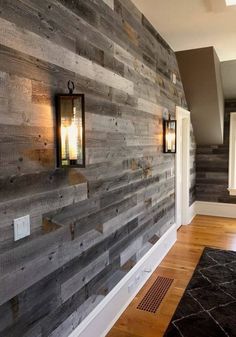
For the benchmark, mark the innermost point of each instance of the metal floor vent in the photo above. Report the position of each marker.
(153, 298)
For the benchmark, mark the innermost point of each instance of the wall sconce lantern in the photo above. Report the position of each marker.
(70, 119)
(169, 133)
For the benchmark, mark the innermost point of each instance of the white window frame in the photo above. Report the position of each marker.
(232, 154)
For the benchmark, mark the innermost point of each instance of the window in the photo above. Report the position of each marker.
(230, 2)
(232, 154)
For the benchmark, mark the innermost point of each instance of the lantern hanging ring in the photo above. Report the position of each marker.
(71, 87)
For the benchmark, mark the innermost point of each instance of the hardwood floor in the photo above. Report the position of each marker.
(178, 264)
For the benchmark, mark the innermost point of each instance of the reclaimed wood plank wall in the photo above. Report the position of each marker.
(213, 165)
(89, 226)
(192, 190)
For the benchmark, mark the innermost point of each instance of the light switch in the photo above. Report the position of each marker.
(21, 227)
(174, 78)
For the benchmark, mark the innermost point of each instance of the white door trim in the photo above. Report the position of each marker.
(232, 155)
(182, 172)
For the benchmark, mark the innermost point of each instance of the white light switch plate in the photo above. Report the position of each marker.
(174, 78)
(21, 227)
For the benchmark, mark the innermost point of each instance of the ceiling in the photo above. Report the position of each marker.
(189, 24)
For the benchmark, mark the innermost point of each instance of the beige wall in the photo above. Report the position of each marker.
(229, 78)
(219, 87)
(200, 72)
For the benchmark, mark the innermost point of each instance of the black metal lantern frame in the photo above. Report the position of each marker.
(169, 135)
(70, 122)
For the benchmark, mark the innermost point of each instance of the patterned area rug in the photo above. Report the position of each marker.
(208, 306)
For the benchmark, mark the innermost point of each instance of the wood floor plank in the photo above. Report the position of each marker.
(179, 264)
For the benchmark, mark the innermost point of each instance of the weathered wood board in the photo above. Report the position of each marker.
(213, 166)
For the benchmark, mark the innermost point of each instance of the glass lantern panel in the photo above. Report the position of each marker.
(170, 141)
(71, 130)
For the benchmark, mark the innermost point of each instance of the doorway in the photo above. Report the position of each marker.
(182, 180)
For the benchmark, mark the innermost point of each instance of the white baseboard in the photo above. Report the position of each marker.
(212, 209)
(191, 212)
(215, 209)
(104, 316)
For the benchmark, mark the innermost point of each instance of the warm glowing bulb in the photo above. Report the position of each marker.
(81, 130)
(73, 141)
(170, 140)
(64, 135)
